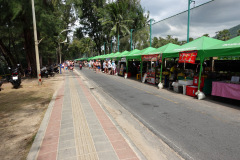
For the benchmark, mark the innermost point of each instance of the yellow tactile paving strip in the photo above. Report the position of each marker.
(84, 143)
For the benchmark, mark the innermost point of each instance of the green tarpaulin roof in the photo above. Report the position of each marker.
(115, 54)
(199, 44)
(138, 53)
(131, 54)
(225, 48)
(163, 49)
(124, 54)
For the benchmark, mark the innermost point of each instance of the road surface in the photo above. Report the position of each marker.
(196, 129)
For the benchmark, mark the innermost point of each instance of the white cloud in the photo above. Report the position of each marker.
(209, 18)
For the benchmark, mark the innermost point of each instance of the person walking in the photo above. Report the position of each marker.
(104, 66)
(109, 67)
(113, 67)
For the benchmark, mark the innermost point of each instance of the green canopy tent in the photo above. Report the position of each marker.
(90, 58)
(120, 55)
(115, 55)
(137, 54)
(200, 45)
(162, 50)
(225, 48)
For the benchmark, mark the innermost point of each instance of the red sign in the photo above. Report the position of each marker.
(187, 57)
(150, 57)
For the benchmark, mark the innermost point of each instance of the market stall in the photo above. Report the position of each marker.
(122, 63)
(138, 56)
(188, 53)
(229, 88)
(152, 70)
(160, 51)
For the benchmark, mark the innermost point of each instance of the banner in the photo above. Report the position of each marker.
(150, 57)
(187, 57)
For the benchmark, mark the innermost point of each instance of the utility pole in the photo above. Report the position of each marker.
(131, 40)
(36, 45)
(151, 32)
(189, 3)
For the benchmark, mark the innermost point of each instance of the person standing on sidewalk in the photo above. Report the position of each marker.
(109, 67)
(113, 67)
(104, 66)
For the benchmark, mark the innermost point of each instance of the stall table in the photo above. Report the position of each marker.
(185, 83)
(225, 89)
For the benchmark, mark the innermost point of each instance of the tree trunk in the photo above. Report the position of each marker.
(30, 54)
(7, 55)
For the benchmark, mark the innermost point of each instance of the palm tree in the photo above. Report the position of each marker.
(115, 19)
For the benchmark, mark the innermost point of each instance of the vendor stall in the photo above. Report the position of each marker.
(152, 68)
(228, 88)
(188, 53)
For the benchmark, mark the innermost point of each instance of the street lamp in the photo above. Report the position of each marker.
(36, 45)
(189, 3)
(60, 56)
(151, 31)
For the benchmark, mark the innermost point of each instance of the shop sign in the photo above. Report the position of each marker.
(187, 57)
(150, 57)
(123, 59)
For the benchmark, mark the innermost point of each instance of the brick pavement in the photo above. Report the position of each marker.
(78, 128)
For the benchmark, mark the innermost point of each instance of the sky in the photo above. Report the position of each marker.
(207, 19)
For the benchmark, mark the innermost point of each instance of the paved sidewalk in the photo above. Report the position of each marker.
(76, 127)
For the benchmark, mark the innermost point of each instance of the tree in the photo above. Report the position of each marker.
(90, 26)
(16, 29)
(238, 32)
(116, 18)
(223, 35)
(206, 35)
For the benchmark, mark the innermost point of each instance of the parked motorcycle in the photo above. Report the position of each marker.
(44, 72)
(51, 71)
(15, 78)
(55, 69)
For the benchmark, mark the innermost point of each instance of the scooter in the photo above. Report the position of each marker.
(16, 77)
(51, 71)
(44, 72)
(55, 69)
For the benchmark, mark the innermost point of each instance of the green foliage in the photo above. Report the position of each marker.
(16, 29)
(78, 48)
(159, 42)
(90, 26)
(117, 18)
(223, 35)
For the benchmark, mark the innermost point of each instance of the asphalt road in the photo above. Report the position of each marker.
(196, 129)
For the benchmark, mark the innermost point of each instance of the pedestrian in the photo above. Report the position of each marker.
(104, 66)
(109, 67)
(89, 65)
(113, 67)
